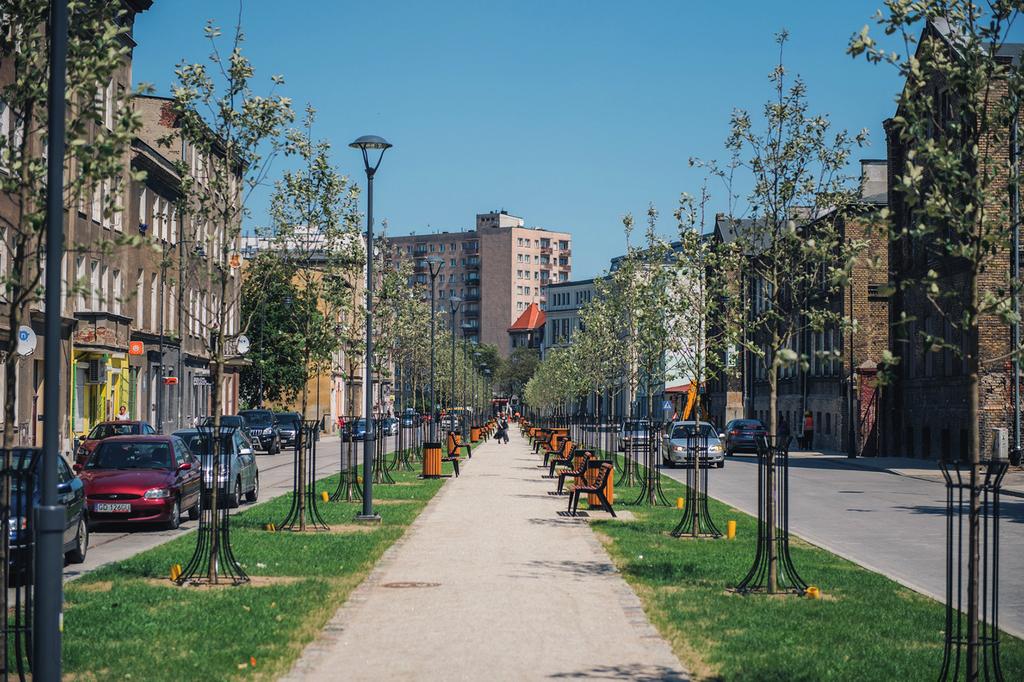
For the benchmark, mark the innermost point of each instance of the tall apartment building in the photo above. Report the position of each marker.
(498, 269)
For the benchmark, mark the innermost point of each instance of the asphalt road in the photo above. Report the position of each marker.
(888, 523)
(117, 543)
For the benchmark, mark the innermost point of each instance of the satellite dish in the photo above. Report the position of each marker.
(26, 341)
(243, 344)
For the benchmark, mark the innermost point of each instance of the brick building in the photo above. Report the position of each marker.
(498, 269)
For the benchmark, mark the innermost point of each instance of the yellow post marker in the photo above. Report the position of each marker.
(175, 571)
(730, 530)
(271, 527)
(680, 502)
(324, 496)
(813, 592)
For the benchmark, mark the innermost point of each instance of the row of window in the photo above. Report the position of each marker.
(438, 248)
(542, 243)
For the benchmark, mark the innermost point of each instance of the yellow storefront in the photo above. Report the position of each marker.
(100, 384)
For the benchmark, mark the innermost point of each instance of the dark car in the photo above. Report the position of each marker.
(89, 441)
(741, 435)
(70, 493)
(262, 430)
(288, 426)
(238, 474)
(141, 479)
(354, 429)
(409, 420)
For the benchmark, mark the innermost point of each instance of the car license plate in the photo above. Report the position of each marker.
(113, 507)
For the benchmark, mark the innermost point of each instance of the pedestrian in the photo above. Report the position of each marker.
(808, 431)
(122, 414)
(504, 430)
(783, 434)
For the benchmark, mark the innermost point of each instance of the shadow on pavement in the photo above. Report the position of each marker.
(1009, 510)
(641, 672)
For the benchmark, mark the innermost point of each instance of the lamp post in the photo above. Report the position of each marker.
(365, 144)
(453, 306)
(487, 389)
(465, 372)
(476, 375)
(434, 263)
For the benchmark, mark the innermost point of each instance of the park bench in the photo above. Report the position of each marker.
(596, 487)
(582, 462)
(454, 442)
(556, 445)
(567, 449)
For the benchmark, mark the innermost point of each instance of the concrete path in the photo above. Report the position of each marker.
(888, 522)
(507, 590)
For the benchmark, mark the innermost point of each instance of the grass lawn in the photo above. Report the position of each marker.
(866, 627)
(128, 621)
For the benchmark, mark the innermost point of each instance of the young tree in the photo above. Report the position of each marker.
(232, 135)
(956, 198)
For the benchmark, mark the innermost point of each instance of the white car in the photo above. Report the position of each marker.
(683, 439)
(634, 435)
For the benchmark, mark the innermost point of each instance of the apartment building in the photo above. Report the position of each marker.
(498, 269)
(563, 303)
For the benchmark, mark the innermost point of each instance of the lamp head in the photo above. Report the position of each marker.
(434, 263)
(454, 302)
(367, 143)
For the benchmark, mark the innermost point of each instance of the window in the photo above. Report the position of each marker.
(154, 303)
(452, 264)
(143, 215)
(94, 285)
(118, 207)
(174, 224)
(140, 297)
(441, 248)
(117, 293)
(97, 204)
(5, 131)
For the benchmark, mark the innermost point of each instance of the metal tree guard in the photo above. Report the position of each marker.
(213, 537)
(20, 468)
(696, 521)
(651, 493)
(381, 468)
(348, 489)
(304, 512)
(773, 571)
(959, 482)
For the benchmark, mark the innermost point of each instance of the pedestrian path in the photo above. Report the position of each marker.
(491, 583)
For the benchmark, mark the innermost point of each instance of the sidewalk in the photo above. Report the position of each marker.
(924, 469)
(490, 582)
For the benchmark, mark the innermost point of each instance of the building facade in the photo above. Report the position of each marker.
(563, 304)
(498, 269)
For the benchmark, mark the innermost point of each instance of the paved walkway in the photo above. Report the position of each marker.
(514, 592)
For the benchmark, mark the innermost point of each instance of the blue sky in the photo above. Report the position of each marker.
(568, 113)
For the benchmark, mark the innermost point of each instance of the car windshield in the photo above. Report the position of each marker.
(360, 423)
(131, 456)
(636, 426)
(262, 419)
(749, 426)
(198, 443)
(688, 430)
(101, 431)
(290, 421)
(232, 421)
(21, 461)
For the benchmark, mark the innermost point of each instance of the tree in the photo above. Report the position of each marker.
(956, 198)
(796, 259)
(515, 372)
(232, 134)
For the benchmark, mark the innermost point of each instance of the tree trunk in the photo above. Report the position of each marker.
(769, 497)
(974, 512)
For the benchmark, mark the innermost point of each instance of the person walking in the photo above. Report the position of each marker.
(122, 415)
(783, 433)
(808, 440)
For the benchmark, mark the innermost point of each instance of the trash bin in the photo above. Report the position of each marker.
(431, 460)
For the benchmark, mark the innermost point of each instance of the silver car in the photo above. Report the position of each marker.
(240, 477)
(634, 435)
(683, 439)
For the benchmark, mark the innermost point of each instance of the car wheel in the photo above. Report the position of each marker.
(175, 519)
(193, 512)
(77, 553)
(721, 465)
(236, 498)
(254, 494)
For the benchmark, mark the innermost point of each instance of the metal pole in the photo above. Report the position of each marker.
(433, 411)
(49, 515)
(452, 393)
(1015, 274)
(465, 371)
(160, 373)
(368, 443)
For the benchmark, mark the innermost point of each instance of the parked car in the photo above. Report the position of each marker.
(288, 426)
(89, 441)
(389, 426)
(355, 429)
(409, 420)
(262, 430)
(449, 422)
(741, 435)
(686, 438)
(634, 435)
(70, 493)
(141, 479)
(238, 475)
(227, 421)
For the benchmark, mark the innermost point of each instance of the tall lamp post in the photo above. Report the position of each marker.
(487, 391)
(366, 144)
(453, 306)
(434, 263)
(476, 374)
(465, 373)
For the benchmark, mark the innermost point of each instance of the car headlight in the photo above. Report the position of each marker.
(157, 494)
(268, 432)
(16, 523)
(715, 448)
(678, 448)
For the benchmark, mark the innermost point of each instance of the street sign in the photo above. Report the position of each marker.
(242, 344)
(170, 380)
(26, 340)
(136, 348)
(201, 381)
(667, 405)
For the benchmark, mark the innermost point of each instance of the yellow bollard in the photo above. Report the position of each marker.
(730, 530)
(271, 527)
(679, 503)
(813, 592)
(175, 571)
(324, 496)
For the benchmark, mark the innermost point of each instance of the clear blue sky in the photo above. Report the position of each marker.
(566, 113)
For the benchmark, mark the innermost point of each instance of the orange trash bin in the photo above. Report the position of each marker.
(431, 460)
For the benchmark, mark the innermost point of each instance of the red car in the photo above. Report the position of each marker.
(107, 429)
(141, 479)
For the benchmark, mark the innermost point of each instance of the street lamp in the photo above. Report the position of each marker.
(434, 263)
(366, 144)
(476, 361)
(487, 389)
(465, 372)
(453, 305)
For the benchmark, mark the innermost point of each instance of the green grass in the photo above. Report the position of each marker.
(866, 627)
(120, 624)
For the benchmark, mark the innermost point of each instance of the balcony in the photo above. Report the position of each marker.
(473, 263)
(471, 297)
(545, 250)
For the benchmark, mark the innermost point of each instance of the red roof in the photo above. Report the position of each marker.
(685, 388)
(532, 318)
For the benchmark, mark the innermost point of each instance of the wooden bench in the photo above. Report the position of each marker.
(568, 447)
(454, 442)
(594, 488)
(582, 462)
